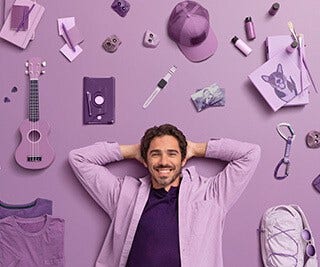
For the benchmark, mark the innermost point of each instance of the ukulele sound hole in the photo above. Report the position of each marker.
(34, 136)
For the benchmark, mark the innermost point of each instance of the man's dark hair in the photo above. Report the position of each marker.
(165, 129)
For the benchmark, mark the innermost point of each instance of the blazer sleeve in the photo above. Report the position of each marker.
(242, 158)
(88, 164)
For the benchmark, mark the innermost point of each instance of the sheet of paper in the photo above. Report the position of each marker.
(68, 23)
(68, 52)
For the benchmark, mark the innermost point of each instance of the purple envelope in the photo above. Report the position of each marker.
(18, 16)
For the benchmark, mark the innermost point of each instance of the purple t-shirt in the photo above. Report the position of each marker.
(156, 242)
(36, 242)
(36, 208)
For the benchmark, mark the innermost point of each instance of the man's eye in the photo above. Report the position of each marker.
(172, 154)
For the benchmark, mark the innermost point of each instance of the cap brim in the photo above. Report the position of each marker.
(202, 51)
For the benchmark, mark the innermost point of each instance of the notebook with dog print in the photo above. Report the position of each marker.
(278, 44)
(278, 80)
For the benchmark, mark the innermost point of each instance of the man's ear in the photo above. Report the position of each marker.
(184, 162)
(144, 163)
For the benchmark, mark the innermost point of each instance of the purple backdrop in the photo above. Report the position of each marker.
(137, 69)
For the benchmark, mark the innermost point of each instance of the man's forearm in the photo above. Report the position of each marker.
(196, 149)
(90, 167)
(130, 151)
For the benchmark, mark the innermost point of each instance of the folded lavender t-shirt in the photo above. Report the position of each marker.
(36, 242)
(36, 208)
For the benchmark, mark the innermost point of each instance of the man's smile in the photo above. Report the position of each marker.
(164, 170)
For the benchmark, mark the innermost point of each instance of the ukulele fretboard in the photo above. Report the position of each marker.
(34, 101)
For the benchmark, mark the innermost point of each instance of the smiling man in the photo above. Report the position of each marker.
(173, 216)
(164, 162)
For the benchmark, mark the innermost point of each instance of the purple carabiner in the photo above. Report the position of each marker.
(285, 160)
(286, 172)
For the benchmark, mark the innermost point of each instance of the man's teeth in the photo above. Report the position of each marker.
(164, 170)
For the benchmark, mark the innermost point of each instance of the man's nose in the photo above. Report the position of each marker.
(164, 159)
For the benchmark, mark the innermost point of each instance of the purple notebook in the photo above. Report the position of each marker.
(22, 38)
(278, 44)
(98, 100)
(277, 80)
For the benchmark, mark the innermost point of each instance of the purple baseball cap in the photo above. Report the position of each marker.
(189, 27)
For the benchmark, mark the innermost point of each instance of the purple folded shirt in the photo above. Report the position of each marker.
(36, 208)
(32, 241)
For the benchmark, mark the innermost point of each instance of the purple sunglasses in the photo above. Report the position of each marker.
(310, 249)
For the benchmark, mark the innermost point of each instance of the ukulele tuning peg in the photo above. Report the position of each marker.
(27, 64)
(26, 72)
(44, 63)
(43, 72)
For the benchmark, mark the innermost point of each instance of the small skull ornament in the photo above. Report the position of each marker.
(313, 139)
(122, 7)
(150, 39)
(111, 44)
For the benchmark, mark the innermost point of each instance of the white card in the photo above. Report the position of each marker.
(68, 52)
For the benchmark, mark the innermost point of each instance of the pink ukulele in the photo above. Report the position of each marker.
(34, 151)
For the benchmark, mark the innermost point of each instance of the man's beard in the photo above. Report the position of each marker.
(164, 180)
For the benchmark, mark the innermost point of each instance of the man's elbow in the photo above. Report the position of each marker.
(73, 157)
(255, 152)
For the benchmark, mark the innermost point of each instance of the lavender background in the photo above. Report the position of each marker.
(137, 69)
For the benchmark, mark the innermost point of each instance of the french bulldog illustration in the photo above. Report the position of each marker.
(285, 89)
